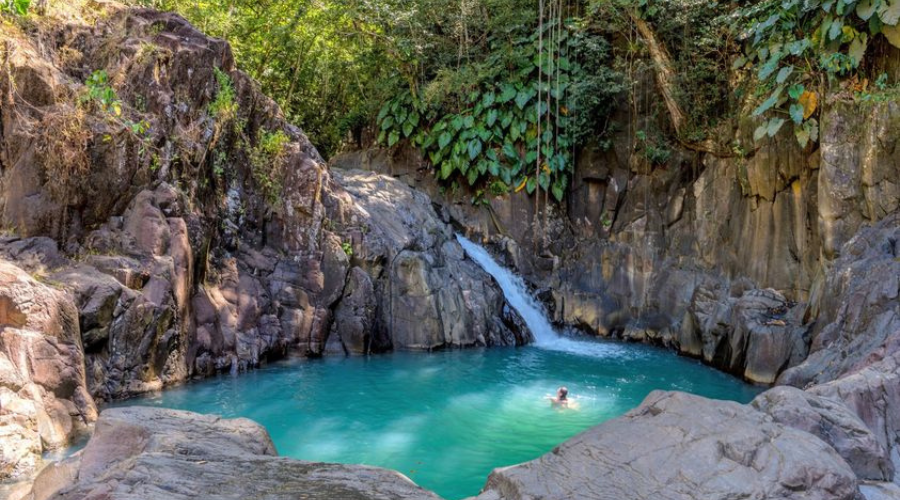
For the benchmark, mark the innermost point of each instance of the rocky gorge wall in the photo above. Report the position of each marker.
(718, 257)
(141, 196)
(138, 260)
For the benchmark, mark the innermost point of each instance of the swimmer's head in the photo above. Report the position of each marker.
(562, 393)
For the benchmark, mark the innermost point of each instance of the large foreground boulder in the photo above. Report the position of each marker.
(44, 400)
(676, 446)
(833, 422)
(158, 454)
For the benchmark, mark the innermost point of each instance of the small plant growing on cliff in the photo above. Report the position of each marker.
(348, 248)
(99, 93)
(224, 107)
(267, 162)
(18, 7)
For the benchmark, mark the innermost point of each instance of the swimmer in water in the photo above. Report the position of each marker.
(562, 398)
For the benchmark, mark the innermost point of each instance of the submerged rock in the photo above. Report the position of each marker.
(676, 446)
(158, 454)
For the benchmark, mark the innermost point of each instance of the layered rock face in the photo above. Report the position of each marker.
(838, 438)
(186, 246)
(152, 453)
(44, 399)
(721, 258)
(423, 291)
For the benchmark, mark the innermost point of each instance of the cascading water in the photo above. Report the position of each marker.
(518, 296)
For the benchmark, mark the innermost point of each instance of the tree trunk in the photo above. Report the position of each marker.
(665, 80)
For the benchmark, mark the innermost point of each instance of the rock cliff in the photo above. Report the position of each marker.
(190, 229)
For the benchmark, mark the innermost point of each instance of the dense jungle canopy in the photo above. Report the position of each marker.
(500, 94)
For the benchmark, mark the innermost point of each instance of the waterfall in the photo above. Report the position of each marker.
(519, 297)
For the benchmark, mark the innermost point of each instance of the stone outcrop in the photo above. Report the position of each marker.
(834, 423)
(187, 248)
(159, 454)
(856, 306)
(429, 294)
(44, 400)
(678, 446)
(638, 251)
(756, 335)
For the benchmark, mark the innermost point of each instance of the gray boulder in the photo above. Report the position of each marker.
(676, 446)
(856, 306)
(152, 453)
(755, 335)
(833, 423)
(429, 294)
(873, 394)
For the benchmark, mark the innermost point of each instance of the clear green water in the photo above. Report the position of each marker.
(444, 419)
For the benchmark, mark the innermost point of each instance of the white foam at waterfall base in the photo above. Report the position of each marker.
(520, 298)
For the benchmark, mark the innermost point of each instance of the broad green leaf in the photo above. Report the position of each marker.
(488, 99)
(446, 169)
(387, 123)
(507, 94)
(558, 191)
(740, 62)
(491, 117)
(774, 126)
(858, 48)
(474, 148)
(889, 13)
(769, 103)
(760, 132)
(393, 138)
(384, 111)
(413, 119)
(783, 74)
(836, 29)
(444, 139)
(796, 112)
(802, 136)
(457, 122)
(472, 176)
(510, 151)
(468, 121)
(795, 91)
(407, 129)
(530, 185)
(522, 98)
(865, 9)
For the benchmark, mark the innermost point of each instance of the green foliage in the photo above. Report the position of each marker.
(16, 7)
(224, 107)
(792, 43)
(348, 248)
(99, 93)
(267, 159)
(493, 128)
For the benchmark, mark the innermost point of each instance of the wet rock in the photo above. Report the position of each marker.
(431, 294)
(152, 453)
(755, 335)
(832, 422)
(44, 400)
(679, 446)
